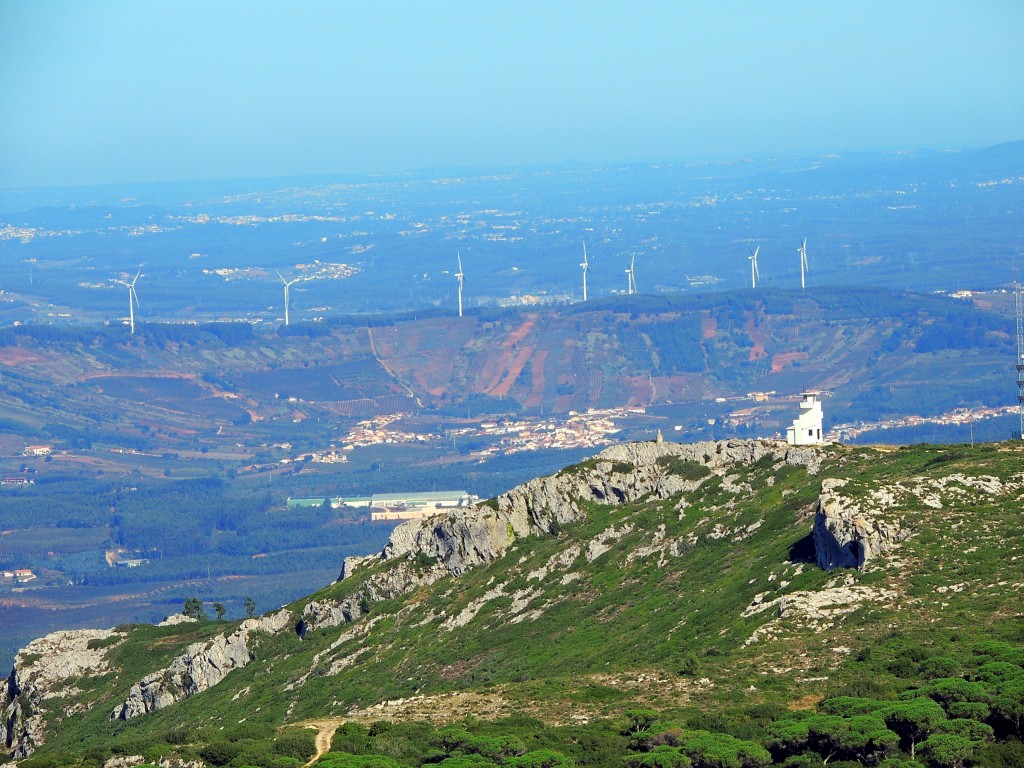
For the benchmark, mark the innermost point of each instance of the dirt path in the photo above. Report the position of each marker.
(325, 732)
(398, 379)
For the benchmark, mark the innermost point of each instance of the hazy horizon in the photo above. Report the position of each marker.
(116, 92)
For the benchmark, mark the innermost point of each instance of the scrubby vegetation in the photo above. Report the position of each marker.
(634, 638)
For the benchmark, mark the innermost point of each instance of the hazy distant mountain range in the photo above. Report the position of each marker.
(921, 221)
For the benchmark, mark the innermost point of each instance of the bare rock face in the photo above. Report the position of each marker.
(452, 543)
(126, 761)
(715, 455)
(320, 614)
(847, 534)
(200, 667)
(39, 683)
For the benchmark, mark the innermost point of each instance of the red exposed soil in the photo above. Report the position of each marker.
(537, 380)
(16, 356)
(784, 359)
(494, 371)
(708, 327)
(756, 338)
(641, 391)
(514, 370)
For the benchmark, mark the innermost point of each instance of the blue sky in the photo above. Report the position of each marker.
(101, 92)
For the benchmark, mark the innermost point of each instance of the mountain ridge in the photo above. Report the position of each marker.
(590, 555)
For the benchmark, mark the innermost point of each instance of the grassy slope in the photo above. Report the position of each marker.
(623, 632)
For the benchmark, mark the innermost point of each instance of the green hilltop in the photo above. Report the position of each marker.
(738, 603)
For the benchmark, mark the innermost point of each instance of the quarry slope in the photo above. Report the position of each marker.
(666, 575)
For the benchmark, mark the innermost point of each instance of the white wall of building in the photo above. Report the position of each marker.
(807, 427)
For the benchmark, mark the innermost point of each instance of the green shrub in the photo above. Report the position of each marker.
(661, 757)
(352, 738)
(220, 752)
(423, 560)
(540, 758)
(945, 750)
(103, 642)
(57, 760)
(345, 760)
(689, 665)
(687, 470)
(941, 666)
(299, 743)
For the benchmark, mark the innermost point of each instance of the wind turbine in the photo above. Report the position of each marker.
(460, 277)
(631, 277)
(754, 274)
(133, 299)
(586, 268)
(803, 263)
(287, 289)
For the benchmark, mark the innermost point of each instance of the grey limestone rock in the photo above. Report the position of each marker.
(457, 541)
(847, 534)
(320, 614)
(200, 667)
(39, 682)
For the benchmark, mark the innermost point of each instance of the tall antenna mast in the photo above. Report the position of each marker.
(1020, 358)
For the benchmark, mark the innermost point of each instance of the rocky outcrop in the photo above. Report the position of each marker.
(42, 681)
(320, 614)
(421, 551)
(818, 610)
(200, 667)
(848, 534)
(715, 455)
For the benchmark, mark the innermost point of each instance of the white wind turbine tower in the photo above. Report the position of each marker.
(754, 274)
(133, 299)
(803, 264)
(287, 288)
(460, 277)
(586, 268)
(631, 277)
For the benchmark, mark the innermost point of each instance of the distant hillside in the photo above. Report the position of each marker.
(737, 603)
(176, 388)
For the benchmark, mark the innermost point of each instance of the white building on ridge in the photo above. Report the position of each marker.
(806, 429)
